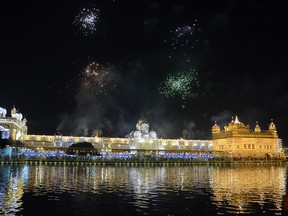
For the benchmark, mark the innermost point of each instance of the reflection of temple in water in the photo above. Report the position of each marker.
(244, 187)
(236, 189)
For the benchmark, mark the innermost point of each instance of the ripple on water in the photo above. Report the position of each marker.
(197, 190)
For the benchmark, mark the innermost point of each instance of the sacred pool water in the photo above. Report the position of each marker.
(142, 190)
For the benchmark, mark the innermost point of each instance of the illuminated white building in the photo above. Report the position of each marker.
(13, 127)
(235, 141)
(142, 130)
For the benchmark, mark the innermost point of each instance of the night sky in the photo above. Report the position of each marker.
(227, 58)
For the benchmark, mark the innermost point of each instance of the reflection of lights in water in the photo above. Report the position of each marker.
(10, 196)
(240, 188)
(25, 174)
(143, 184)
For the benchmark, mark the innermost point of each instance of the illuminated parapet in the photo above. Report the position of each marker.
(145, 144)
(187, 145)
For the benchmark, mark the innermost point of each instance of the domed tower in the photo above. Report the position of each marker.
(24, 121)
(215, 128)
(15, 128)
(143, 126)
(142, 138)
(236, 125)
(16, 115)
(142, 130)
(153, 134)
(272, 127)
(13, 112)
(257, 128)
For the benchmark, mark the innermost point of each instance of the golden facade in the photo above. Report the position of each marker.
(238, 141)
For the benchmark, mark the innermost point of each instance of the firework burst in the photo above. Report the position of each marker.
(182, 41)
(181, 85)
(86, 21)
(98, 79)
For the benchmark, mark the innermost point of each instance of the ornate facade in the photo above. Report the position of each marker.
(13, 127)
(238, 141)
(142, 130)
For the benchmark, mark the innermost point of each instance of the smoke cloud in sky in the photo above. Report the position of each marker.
(88, 115)
(102, 114)
(109, 116)
(222, 118)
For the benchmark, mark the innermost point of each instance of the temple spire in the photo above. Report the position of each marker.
(236, 120)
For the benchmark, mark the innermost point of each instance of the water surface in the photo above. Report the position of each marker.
(142, 190)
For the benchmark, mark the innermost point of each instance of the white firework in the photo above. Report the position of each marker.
(86, 21)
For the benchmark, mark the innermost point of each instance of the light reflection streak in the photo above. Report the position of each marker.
(238, 190)
(241, 188)
(11, 194)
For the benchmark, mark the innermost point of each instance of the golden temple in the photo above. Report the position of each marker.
(240, 142)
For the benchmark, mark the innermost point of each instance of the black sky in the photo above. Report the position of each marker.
(240, 55)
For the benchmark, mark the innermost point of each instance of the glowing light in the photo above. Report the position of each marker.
(86, 21)
(182, 41)
(181, 84)
(98, 79)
